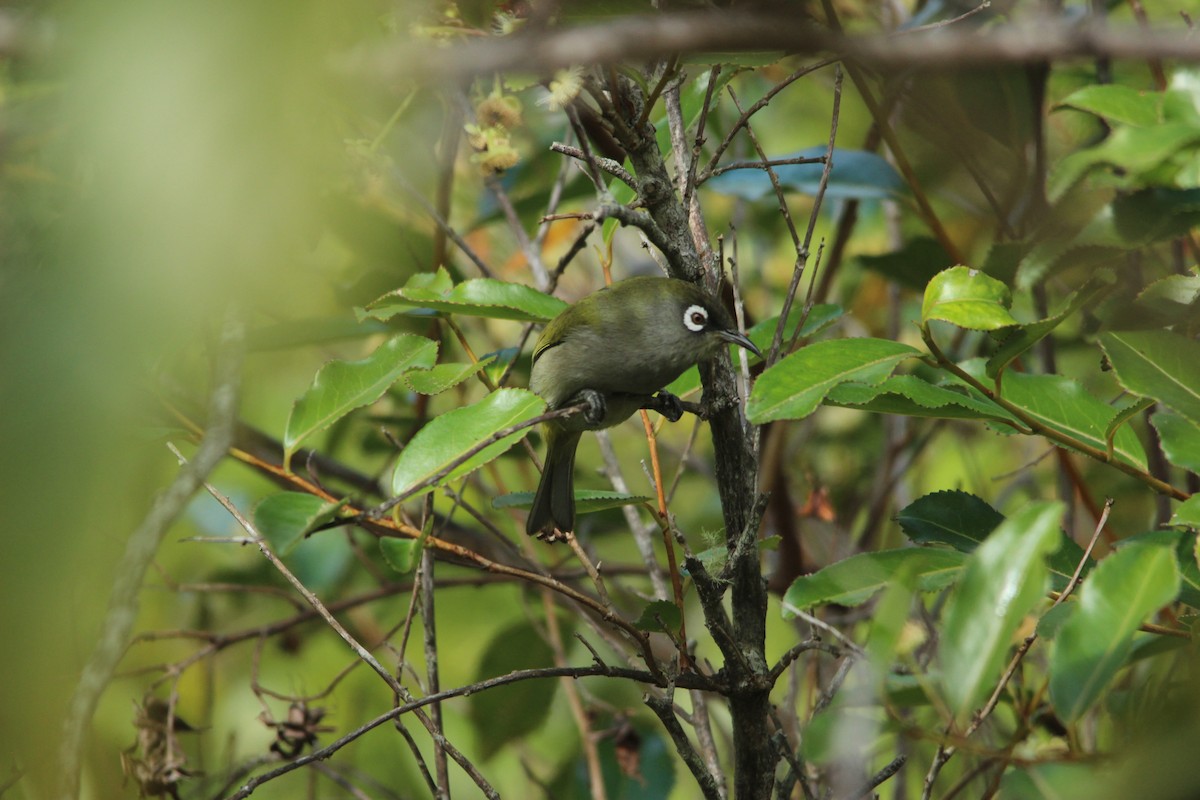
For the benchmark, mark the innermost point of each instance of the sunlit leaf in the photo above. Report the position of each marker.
(449, 437)
(967, 298)
(794, 387)
(854, 580)
(342, 386)
(480, 297)
(1117, 103)
(1119, 595)
(1002, 582)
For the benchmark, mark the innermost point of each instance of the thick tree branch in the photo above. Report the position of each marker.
(638, 38)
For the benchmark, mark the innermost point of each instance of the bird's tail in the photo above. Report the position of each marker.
(554, 503)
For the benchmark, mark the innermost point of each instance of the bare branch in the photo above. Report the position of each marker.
(638, 38)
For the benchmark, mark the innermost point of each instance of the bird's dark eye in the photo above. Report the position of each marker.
(695, 318)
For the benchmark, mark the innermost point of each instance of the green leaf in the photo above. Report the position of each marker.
(1123, 416)
(284, 519)
(507, 713)
(913, 397)
(1183, 543)
(794, 387)
(964, 521)
(660, 616)
(634, 743)
(855, 580)
(1173, 300)
(441, 377)
(481, 297)
(451, 436)
(715, 558)
(1116, 103)
(967, 298)
(400, 554)
(952, 517)
(342, 386)
(1002, 582)
(888, 621)
(1024, 337)
(1158, 364)
(1135, 151)
(856, 174)
(1180, 439)
(1066, 406)
(1052, 781)
(1120, 594)
(1188, 513)
(587, 501)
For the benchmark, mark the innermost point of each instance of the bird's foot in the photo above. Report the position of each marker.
(596, 407)
(666, 404)
(550, 534)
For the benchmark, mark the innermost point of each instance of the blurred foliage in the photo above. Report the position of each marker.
(162, 163)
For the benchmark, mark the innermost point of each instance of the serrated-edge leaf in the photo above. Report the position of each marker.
(854, 580)
(1063, 404)
(441, 377)
(450, 436)
(912, 396)
(1171, 375)
(794, 387)
(1124, 590)
(481, 297)
(1001, 583)
(339, 387)
(586, 500)
(1026, 336)
(1123, 416)
(968, 298)
(1180, 439)
(659, 615)
(952, 517)
(1187, 513)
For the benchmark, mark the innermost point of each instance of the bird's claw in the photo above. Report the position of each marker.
(596, 407)
(666, 404)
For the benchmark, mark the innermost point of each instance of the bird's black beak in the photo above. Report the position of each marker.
(741, 340)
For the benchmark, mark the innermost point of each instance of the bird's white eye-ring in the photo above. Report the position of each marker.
(695, 318)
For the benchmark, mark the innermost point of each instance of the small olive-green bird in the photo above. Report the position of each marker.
(614, 351)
